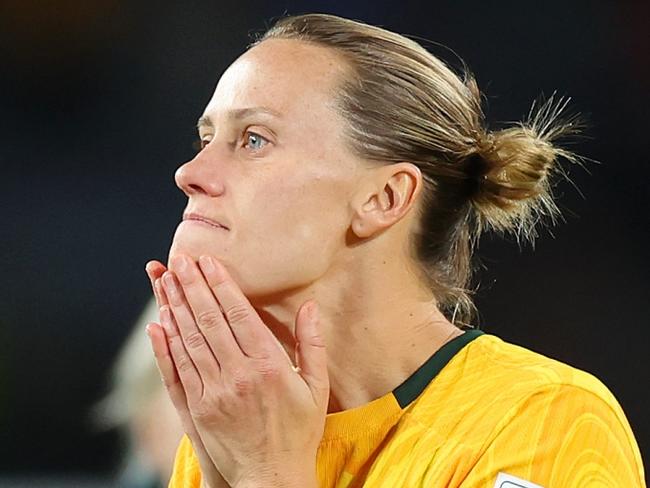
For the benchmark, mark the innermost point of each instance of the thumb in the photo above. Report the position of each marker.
(312, 355)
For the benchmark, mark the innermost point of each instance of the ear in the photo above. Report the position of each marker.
(388, 194)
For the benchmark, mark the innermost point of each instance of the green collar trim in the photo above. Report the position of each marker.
(415, 384)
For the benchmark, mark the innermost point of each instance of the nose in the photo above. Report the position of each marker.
(198, 176)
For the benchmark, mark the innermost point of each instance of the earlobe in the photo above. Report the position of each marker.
(361, 222)
(359, 229)
(364, 222)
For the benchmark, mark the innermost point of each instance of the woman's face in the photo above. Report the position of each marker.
(274, 170)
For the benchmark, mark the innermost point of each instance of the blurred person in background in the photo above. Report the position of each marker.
(315, 317)
(140, 408)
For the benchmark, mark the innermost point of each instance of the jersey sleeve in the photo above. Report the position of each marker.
(562, 437)
(186, 473)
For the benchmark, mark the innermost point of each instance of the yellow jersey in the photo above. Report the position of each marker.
(480, 412)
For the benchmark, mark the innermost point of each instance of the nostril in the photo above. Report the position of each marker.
(185, 180)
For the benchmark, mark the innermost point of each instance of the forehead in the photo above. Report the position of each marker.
(286, 76)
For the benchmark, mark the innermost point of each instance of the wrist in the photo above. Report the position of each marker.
(285, 483)
(282, 479)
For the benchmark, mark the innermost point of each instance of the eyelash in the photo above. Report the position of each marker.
(200, 144)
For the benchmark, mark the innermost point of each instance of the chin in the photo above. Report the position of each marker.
(195, 245)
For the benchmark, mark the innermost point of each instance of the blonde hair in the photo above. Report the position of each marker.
(135, 379)
(136, 392)
(401, 103)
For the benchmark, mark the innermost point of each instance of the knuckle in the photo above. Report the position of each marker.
(173, 334)
(209, 319)
(184, 363)
(268, 371)
(242, 383)
(237, 313)
(169, 383)
(195, 340)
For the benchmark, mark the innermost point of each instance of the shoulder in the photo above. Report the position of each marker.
(492, 372)
(493, 362)
(513, 410)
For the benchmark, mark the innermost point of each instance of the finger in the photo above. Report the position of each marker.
(187, 332)
(164, 361)
(174, 387)
(253, 337)
(312, 357)
(169, 375)
(188, 374)
(154, 270)
(207, 314)
(161, 296)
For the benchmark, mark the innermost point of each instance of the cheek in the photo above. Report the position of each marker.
(294, 232)
(308, 214)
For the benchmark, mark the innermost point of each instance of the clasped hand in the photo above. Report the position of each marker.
(253, 419)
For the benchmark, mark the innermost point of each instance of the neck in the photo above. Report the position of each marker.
(380, 325)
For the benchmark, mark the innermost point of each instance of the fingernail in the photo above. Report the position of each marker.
(206, 264)
(168, 280)
(182, 268)
(179, 263)
(171, 287)
(219, 269)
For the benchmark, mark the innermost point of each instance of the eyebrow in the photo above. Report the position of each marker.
(238, 114)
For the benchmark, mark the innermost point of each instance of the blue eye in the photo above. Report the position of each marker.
(255, 141)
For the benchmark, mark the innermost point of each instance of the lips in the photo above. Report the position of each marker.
(203, 218)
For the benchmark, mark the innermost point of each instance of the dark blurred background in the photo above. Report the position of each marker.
(98, 102)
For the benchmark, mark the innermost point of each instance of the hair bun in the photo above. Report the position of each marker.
(513, 170)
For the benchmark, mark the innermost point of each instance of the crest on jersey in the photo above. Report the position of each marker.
(505, 480)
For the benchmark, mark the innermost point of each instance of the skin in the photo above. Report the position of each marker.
(309, 220)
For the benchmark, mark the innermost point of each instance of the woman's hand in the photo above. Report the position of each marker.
(260, 420)
(211, 477)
